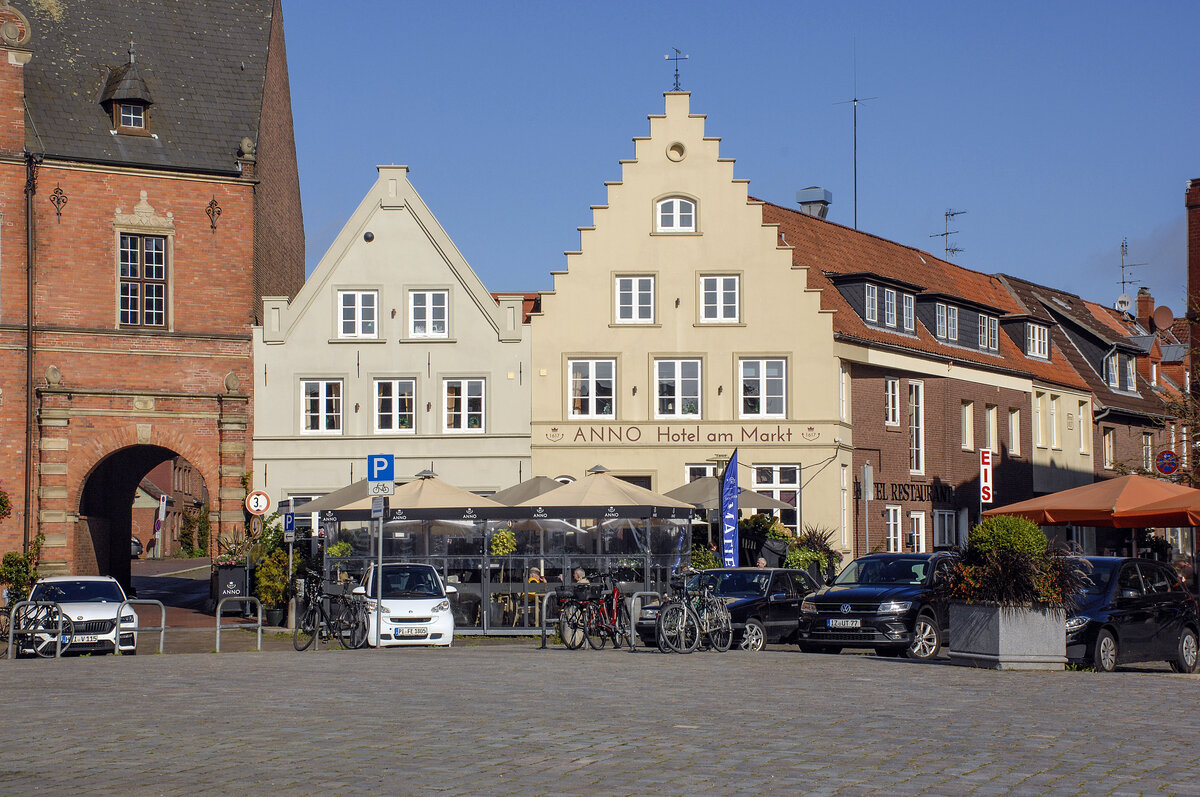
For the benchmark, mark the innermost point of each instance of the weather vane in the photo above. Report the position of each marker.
(679, 56)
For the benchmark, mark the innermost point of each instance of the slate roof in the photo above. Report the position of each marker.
(829, 249)
(1174, 353)
(203, 63)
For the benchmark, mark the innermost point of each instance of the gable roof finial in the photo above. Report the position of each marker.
(132, 58)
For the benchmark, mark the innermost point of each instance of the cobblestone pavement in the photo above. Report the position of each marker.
(511, 719)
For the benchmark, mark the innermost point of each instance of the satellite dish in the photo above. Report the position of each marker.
(1163, 317)
(1124, 302)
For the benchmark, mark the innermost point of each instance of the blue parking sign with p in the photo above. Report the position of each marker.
(381, 468)
(289, 521)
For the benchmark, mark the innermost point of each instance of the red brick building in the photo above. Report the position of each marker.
(149, 198)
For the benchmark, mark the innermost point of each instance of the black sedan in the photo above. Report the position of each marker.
(764, 603)
(880, 601)
(1135, 610)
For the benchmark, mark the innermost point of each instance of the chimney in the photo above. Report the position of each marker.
(814, 201)
(1145, 306)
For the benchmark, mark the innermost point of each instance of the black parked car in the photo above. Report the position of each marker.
(764, 603)
(881, 601)
(1135, 610)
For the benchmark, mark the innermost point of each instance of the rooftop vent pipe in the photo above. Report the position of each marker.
(814, 201)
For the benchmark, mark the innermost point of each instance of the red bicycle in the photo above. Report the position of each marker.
(595, 613)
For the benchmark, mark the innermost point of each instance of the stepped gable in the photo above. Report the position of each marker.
(825, 248)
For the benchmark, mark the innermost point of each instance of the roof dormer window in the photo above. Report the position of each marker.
(127, 97)
(1037, 341)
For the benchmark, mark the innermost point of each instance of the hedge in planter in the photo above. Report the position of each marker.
(1009, 594)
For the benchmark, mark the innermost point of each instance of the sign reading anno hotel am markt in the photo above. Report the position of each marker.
(670, 434)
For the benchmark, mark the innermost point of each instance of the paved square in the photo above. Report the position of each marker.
(511, 719)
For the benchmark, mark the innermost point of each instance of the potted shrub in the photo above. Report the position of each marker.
(270, 585)
(1009, 593)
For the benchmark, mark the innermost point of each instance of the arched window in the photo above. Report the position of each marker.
(676, 214)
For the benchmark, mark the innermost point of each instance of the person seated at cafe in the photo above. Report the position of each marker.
(535, 576)
(580, 577)
(761, 562)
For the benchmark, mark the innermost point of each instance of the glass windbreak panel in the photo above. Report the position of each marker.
(465, 575)
(884, 570)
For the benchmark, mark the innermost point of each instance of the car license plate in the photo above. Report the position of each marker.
(410, 631)
(83, 639)
(845, 623)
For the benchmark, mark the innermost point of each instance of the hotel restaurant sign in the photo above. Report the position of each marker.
(683, 434)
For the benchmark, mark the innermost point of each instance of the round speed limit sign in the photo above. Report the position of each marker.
(258, 503)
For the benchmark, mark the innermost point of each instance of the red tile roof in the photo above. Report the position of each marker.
(828, 248)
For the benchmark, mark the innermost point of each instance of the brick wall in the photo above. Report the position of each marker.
(951, 475)
(279, 222)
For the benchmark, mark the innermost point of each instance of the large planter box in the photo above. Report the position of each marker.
(1008, 639)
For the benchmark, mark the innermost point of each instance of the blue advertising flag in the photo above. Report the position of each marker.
(729, 512)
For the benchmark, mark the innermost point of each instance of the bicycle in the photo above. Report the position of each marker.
(594, 613)
(345, 620)
(39, 628)
(688, 620)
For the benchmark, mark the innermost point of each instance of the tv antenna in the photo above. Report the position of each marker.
(1125, 253)
(679, 56)
(950, 250)
(855, 101)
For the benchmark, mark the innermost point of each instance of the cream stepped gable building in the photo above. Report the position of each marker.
(393, 346)
(681, 331)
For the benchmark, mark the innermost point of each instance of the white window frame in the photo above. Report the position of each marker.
(719, 286)
(1055, 437)
(893, 529)
(635, 292)
(1130, 375)
(361, 314)
(131, 116)
(429, 315)
(968, 425)
(1109, 442)
(1112, 365)
(940, 311)
(871, 303)
(1040, 433)
(698, 470)
(395, 415)
(889, 307)
(675, 214)
(908, 312)
(916, 427)
(327, 418)
(1014, 431)
(945, 533)
(688, 389)
(992, 428)
(1037, 341)
(1147, 450)
(763, 385)
(1085, 428)
(307, 520)
(465, 414)
(769, 480)
(590, 377)
(891, 401)
(844, 391)
(916, 534)
(951, 322)
(989, 332)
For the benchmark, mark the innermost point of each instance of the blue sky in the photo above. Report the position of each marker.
(1060, 127)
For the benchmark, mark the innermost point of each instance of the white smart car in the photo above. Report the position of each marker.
(416, 606)
(91, 602)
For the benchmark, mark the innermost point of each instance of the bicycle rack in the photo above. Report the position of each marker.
(161, 628)
(546, 616)
(13, 630)
(220, 606)
(635, 611)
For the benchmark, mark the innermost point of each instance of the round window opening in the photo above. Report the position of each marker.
(676, 152)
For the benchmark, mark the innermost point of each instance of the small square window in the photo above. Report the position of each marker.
(427, 314)
(635, 300)
(719, 299)
(358, 314)
(130, 116)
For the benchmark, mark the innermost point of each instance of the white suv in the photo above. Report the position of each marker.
(91, 602)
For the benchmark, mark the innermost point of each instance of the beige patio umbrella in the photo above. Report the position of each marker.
(705, 493)
(530, 488)
(599, 489)
(427, 492)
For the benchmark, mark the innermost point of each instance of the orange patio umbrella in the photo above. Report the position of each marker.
(1180, 510)
(1097, 504)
